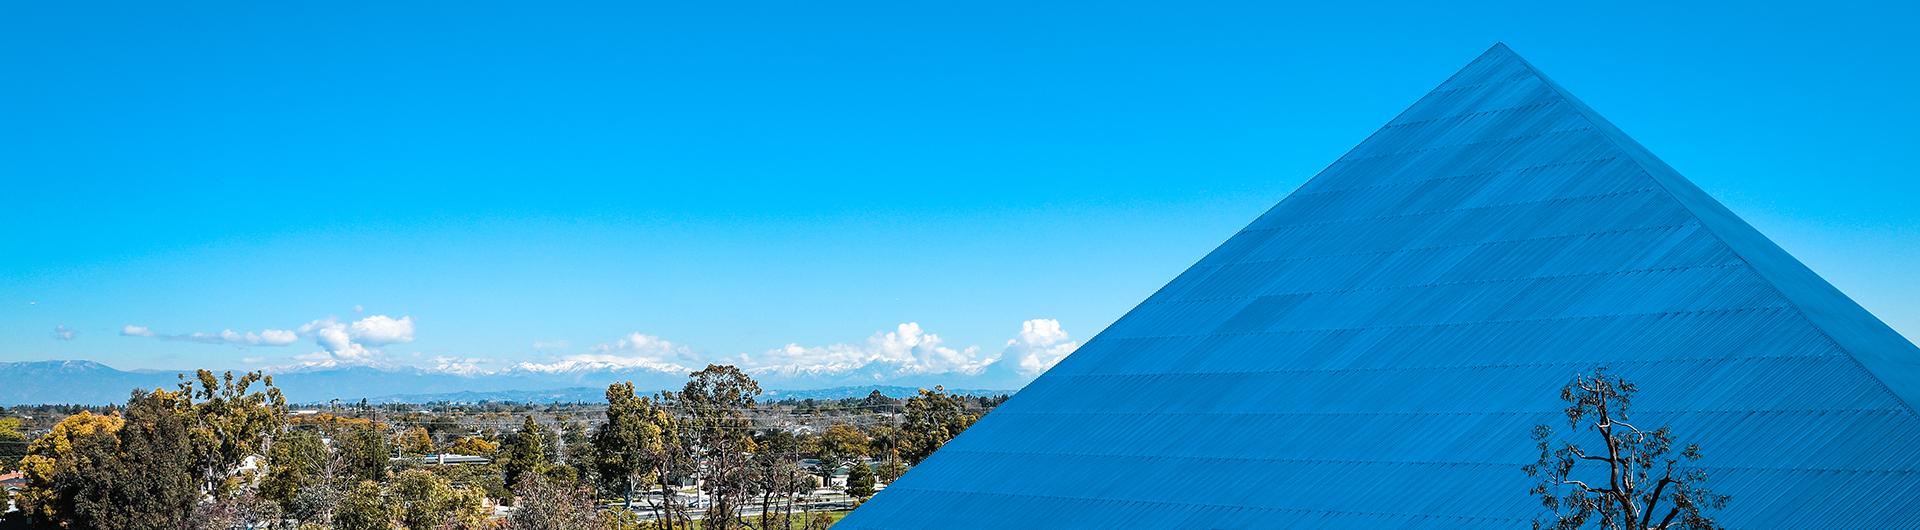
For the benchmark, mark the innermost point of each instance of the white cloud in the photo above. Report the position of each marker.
(62, 332)
(550, 344)
(266, 337)
(352, 343)
(907, 350)
(634, 351)
(1040, 345)
(380, 330)
(278, 336)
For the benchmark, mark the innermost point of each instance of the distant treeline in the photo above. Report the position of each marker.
(224, 451)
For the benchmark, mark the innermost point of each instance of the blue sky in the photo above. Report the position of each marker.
(482, 184)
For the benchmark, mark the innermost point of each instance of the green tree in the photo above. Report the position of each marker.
(228, 420)
(879, 403)
(141, 478)
(860, 481)
(930, 420)
(892, 468)
(361, 453)
(364, 508)
(525, 453)
(578, 454)
(628, 444)
(424, 500)
(716, 402)
(675, 459)
(298, 460)
(1641, 484)
(841, 444)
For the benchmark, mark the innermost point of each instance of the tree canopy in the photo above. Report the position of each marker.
(1639, 484)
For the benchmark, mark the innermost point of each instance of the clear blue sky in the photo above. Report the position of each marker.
(737, 177)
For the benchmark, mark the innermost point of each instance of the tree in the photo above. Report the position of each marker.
(473, 446)
(13, 443)
(716, 401)
(931, 419)
(577, 454)
(879, 403)
(141, 478)
(773, 473)
(674, 460)
(892, 468)
(860, 481)
(298, 460)
(485, 480)
(424, 500)
(545, 505)
(51, 453)
(315, 503)
(243, 510)
(361, 453)
(1642, 486)
(415, 442)
(364, 508)
(525, 453)
(626, 446)
(841, 444)
(227, 420)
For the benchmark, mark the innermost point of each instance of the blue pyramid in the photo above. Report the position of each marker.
(1372, 351)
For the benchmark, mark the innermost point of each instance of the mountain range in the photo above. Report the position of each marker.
(89, 382)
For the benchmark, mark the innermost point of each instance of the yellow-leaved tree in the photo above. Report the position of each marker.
(52, 452)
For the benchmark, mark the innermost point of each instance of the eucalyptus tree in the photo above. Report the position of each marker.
(715, 404)
(228, 420)
(1630, 480)
(930, 419)
(629, 445)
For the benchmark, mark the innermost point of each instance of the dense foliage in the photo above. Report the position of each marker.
(224, 451)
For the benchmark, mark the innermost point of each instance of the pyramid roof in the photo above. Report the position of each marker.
(1373, 350)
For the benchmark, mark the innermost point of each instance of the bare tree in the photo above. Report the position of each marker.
(1644, 487)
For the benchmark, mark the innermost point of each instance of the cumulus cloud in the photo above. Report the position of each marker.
(381, 330)
(634, 351)
(265, 337)
(355, 342)
(62, 332)
(907, 350)
(1040, 345)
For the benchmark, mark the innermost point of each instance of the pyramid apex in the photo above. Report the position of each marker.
(1500, 48)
